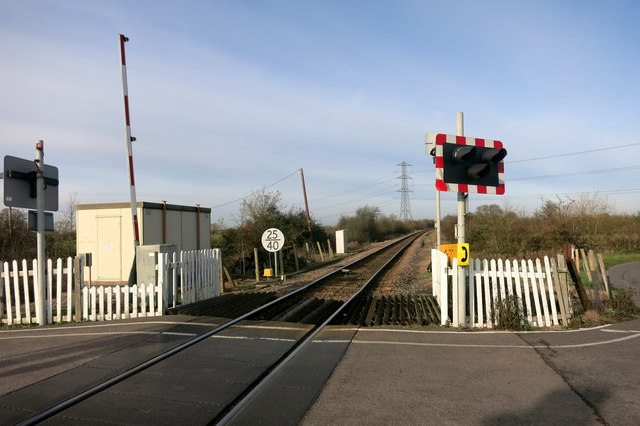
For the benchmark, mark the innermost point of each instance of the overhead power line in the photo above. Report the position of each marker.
(555, 194)
(588, 172)
(256, 192)
(574, 153)
(369, 184)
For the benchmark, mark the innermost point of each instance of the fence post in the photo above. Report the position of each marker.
(7, 291)
(472, 299)
(444, 291)
(59, 289)
(435, 274)
(16, 290)
(320, 250)
(174, 280)
(163, 294)
(25, 287)
(488, 299)
(77, 285)
(558, 286)
(69, 288)
(552, 300)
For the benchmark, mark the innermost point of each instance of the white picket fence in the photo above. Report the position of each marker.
(185, 278)
(201, 275)
(20, 291)
(536, 283)
(106, 303)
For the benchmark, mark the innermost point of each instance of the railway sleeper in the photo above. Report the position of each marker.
(321, 313)
(299, 311)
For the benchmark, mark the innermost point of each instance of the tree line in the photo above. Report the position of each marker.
(18, 242)
(491, 230)
(586, 222)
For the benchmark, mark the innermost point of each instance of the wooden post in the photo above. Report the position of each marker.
(575, 276)
(587, 266)
(560, 294)
(330, 249)
(598, 278)
(605, 280)
(320, 250)
(257, 268)
(221, 278)
(78, 282)
(564, 285)
(228, 275)
(279, 254)
(592, 260)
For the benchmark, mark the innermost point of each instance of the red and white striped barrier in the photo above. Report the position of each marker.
(132, 187)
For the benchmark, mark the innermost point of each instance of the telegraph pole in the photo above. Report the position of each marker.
(306, 204)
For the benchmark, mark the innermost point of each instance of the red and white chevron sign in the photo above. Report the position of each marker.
(440, 140)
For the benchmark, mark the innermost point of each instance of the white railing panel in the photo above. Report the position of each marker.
(533, 282)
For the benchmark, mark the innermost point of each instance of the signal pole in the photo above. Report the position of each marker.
(41, 303)
(405, 208)
(462, 212)
(462, 197)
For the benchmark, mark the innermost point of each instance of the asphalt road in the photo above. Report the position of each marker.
(386, 376)
(626, 275)
(417, 377)
(588, 376)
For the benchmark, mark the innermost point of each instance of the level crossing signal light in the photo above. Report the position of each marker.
(465, 164)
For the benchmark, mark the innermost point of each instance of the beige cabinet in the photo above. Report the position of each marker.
(106, 231)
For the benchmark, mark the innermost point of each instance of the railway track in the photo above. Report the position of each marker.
(325, 294)
(340, 297)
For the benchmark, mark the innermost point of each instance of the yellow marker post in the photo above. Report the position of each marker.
(459, 251)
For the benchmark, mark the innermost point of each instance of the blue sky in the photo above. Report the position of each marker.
(228, 97)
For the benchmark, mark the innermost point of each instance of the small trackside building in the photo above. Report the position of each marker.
(106, 231)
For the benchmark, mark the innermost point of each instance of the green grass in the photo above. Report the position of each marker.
(618, 258)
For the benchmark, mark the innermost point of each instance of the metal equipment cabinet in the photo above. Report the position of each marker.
(105, 231)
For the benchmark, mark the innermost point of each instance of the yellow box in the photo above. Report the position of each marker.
(459, 251)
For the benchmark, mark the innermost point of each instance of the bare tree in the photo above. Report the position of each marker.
(68, 221)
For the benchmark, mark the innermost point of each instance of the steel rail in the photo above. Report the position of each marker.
(310, 336)
(71, 401)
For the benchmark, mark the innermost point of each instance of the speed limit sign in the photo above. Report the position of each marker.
(273, 240)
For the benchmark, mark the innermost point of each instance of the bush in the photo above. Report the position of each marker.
(624, 308)
(507, 314)
(585, 222)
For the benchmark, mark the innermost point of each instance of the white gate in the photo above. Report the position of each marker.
(542, 296)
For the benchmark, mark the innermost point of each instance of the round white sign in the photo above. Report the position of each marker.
(273, 240)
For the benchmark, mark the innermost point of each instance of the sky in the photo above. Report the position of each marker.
(228, 98)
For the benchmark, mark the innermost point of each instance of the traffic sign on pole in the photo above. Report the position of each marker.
(20, 177)
(273, 240)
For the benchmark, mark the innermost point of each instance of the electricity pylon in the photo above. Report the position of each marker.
(405, 208)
